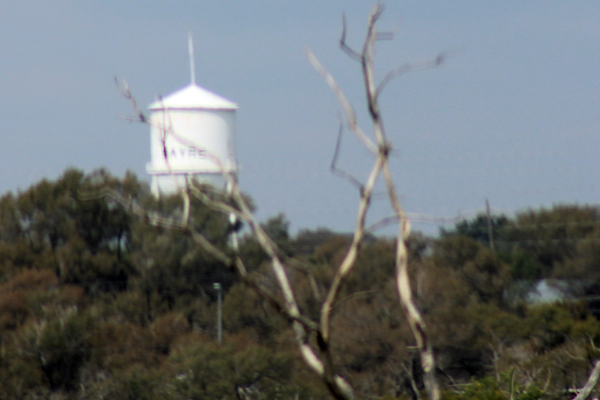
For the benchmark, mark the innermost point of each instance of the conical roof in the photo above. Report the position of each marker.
(193, 97)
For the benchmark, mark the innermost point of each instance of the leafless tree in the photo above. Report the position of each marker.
(380, 148)
(317, 354)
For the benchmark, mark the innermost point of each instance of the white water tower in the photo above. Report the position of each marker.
(191, 134)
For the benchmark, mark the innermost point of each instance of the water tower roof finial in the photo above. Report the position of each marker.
(191, 51)
(193, 97)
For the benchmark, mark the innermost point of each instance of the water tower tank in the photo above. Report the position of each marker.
(192, 133)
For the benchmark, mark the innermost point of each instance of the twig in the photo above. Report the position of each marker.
(364, 139)
(341, 173)
(414, 217)
(215, 205)
(352, 254)
(406, 68)
(351, 53)
(125, 92)
(350, 296)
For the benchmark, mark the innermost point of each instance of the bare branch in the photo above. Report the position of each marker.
(352, 253)
(238, 264)
(415, 217)
(408, 67)
(402, 279)
(347, 49)
(590, 384)
(302, 325)
(338, 386)
(134, 208)
(295, 263)
(185, 217)
(574, 357)
(381, 165)
(548, 380)
(215, 205)
(351, 296)
(336, 171)
(413, 384)
(364, 139)
(591, 340)
(382, 223)
(213, 250)
(125, 92)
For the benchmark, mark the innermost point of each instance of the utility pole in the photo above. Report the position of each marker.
(489, 224)
(219, 289)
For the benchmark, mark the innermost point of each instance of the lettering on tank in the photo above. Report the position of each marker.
(185, 153)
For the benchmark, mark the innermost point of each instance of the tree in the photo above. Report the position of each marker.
(238, 370)
(478, 266)
(69, 330)
(551, 236)
(479, 228)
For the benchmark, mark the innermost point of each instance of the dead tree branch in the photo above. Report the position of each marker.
(347, 107)
(352, 254)
(338, 386)
(402, 279)
(590, 384)
(341, 173)
(423, 218)
(302, 325)
(124, 90)
(408, 67)
(347, 49)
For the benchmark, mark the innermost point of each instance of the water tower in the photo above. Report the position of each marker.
(191, 134)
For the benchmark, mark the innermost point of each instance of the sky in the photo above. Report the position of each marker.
(512, 116)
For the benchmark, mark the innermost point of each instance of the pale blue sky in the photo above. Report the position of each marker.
(514, 116)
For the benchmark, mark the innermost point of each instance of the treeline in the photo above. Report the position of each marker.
(96, 303)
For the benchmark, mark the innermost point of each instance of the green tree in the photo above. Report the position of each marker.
(480, 268)
(237, 369)
(478, 228)
(551, 236)
(61, 347)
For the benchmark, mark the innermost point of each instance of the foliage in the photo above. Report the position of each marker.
(96, 304)
(239, 368)
(478, 228)
(484, 389)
